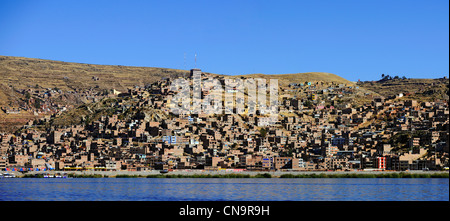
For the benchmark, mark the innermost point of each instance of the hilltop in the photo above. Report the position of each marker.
(19, 73)
(411, 88)
(22, 73)
(25, 72)
(285, 79)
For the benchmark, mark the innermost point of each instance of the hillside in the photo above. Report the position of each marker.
(29, 82)
(419, 89)
(22, 73)
(7, 95)
(9, 98)
(18, 73)
(285, 79)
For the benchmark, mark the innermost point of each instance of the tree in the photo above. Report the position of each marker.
(263, 132)
(308, 103)
(27, 96)
(37, 103)
(386, 78)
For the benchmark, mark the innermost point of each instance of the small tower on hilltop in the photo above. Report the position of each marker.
(195, 71)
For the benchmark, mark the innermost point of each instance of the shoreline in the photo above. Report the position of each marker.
(235, 174)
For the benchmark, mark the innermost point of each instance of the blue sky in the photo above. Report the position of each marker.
(353, 39)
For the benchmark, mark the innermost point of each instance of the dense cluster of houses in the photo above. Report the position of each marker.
(314, 130)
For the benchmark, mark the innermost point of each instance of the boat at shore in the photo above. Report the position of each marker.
(58, 175)
(7, 175)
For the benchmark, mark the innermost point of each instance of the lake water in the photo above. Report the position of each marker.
(212, 189)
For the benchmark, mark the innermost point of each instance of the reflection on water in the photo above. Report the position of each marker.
(197, 189)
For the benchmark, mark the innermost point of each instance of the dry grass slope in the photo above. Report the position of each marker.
(420, 89)
(24, 72)
(285, 79)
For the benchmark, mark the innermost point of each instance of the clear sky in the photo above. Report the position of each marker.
(359, 39)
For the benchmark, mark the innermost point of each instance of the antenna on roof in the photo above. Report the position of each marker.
(195, 60)
(184, 60)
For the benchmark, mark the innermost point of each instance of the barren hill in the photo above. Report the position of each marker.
(24, 72)
(284, 79)
(419, 89)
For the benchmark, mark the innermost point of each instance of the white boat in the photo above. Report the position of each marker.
(58, 175)
(8, 175)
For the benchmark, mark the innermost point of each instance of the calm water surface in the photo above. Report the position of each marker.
(211, 189)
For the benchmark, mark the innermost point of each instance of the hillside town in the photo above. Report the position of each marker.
(320, 126)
